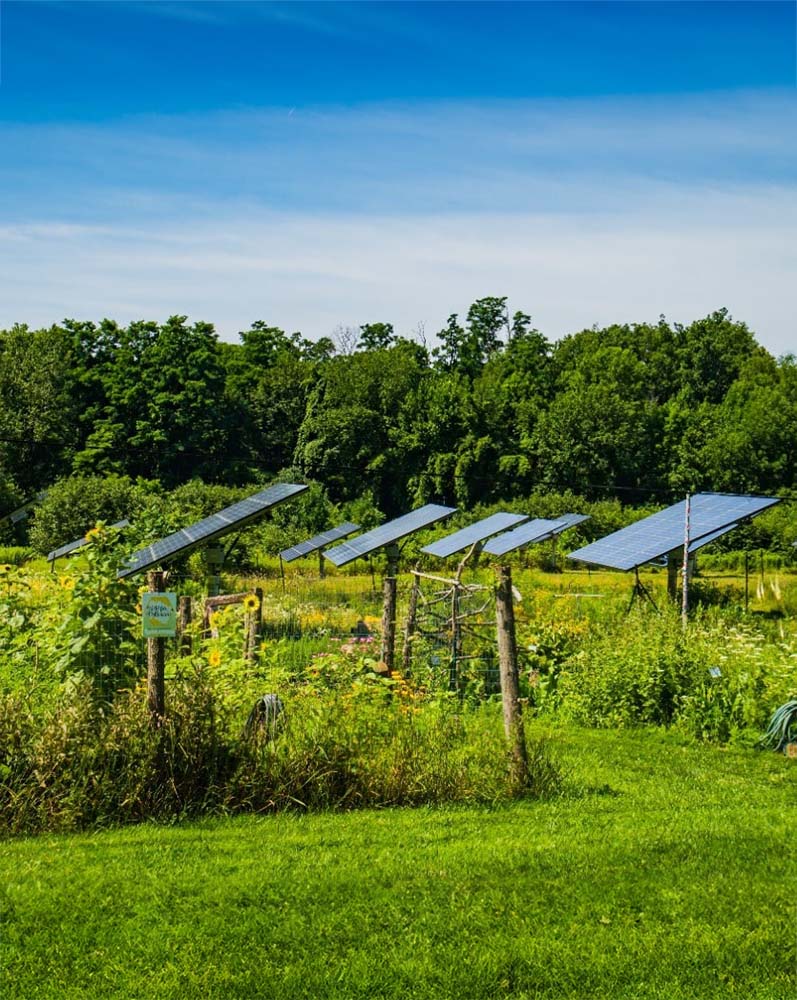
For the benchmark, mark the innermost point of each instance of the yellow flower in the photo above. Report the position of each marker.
(67, 582)
(214, 657)
(6, 568)
(250, 602)
(94, 532)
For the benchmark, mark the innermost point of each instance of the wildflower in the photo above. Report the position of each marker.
(250, 602)
(214, 657)
(67, 582)
(6, 568)
(95, 532)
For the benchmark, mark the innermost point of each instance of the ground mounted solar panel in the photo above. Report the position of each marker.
(15, 516)
(538, 530)
(663, 532)
(319, 541)
(216, 526)
(460, 540)
(78, 543)
(388, 534)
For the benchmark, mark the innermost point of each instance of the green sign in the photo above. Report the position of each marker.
(159, 615)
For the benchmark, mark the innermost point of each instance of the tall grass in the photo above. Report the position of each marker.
(84, 763)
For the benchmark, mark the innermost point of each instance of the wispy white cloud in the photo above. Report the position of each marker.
(580, 212)
(315, 272)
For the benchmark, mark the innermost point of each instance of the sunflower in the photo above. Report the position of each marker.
(94, 532)
(6, 568)
(250, 602)
(214, 657)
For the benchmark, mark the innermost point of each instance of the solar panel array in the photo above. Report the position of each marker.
(387, 534)
(538, 530)
(478, 532)
(216, 526)
(78, 543)
(319, 541)
(655, 536)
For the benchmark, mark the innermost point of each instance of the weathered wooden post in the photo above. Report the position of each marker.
(184, 624)
(389, 588)
(456, 638)
(156, 663)
(409, 626)
(322, 571)
(508, 668)
(254, 625)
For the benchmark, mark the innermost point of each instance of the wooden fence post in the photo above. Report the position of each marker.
(409, 627)
(389, 608)
(156, 663)
(508, 667)
(254, 624)
(183, 625)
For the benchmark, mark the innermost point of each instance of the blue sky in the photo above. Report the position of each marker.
(319, 165)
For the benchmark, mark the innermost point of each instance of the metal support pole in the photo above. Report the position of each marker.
(685, 569)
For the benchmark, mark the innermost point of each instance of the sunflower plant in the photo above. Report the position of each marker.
(97, 636)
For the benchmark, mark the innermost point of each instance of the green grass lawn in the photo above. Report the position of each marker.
(666, 871)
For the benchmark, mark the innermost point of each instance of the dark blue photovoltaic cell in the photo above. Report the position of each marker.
(388, 533)
(216, 526)
(318, 541)
(78, 543)
(655, 536)
(538, 530)
(465, 537)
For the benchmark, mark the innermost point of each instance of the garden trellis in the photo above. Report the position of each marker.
(483, 537)
(387, 536)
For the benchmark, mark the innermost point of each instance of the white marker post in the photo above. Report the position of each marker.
(685, 569)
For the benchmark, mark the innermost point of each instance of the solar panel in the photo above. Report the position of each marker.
(655, 536)
(538, 530)
(78, 543)
(386, 534)
(318, 541)
(478, 532)
(707, 539)
(230, 519)
(22, 512)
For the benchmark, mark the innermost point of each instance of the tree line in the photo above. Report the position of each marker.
(494, 411)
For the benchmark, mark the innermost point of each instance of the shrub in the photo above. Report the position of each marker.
(74, 505)
(15, 555)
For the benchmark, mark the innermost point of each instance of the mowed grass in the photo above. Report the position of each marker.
(667, 871)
